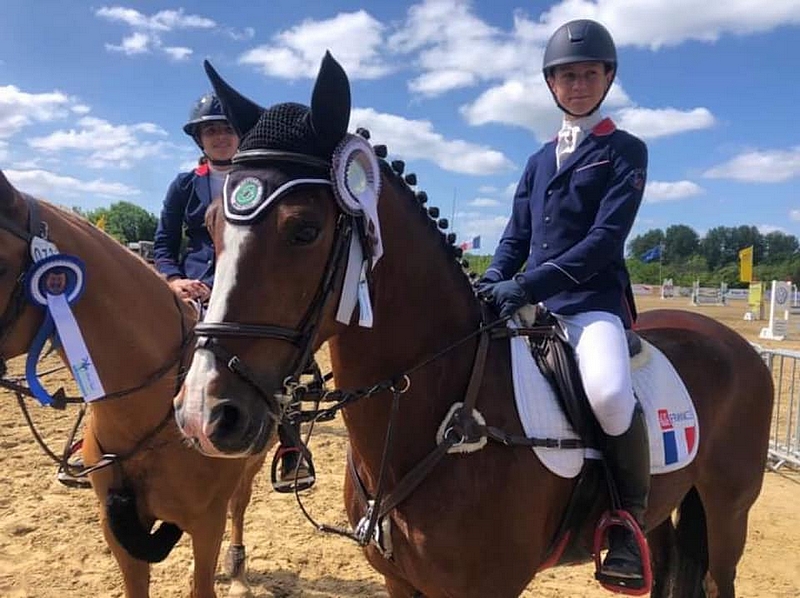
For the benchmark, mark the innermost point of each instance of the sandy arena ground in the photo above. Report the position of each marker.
(51, 545)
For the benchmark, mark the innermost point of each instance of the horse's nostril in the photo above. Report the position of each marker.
(228, 418)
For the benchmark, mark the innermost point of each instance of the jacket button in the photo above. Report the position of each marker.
(549, 192)
(547, 218)
(544, 245)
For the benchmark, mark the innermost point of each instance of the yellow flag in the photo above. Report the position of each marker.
(101, 222)
(746, 264)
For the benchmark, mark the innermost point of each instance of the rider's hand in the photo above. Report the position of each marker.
(507, 296)
(486, 281)
(188, 289)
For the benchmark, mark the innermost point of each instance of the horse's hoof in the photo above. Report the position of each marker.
(239, 590)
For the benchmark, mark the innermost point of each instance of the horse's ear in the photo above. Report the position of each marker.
(7, 192)
(330, 100)
(241, 112)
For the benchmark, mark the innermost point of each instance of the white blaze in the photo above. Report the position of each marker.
(203, 368)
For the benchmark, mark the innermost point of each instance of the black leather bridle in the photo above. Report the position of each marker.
(303, 335)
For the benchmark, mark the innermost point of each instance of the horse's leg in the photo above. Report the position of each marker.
(135, 573)
(234, 562)
(661, 541)
(206, 543)
(727, 534)
(691, 543)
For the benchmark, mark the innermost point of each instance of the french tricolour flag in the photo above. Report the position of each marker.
(474, 244)
(679, 435)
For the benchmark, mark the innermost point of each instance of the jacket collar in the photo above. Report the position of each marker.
(602, 129)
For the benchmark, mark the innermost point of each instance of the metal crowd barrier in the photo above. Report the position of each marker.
(784, 443)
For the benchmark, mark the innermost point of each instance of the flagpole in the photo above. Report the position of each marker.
(453, 212)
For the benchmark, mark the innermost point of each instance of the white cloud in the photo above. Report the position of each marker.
(794, 215)
(456, 49)
(765, 229)
(355, 39)
(416, 139)
(484, 202)
(177, 53)
(650, 123)
(105, 144)
(19, 109)
(136, 43)
(52, 186)
(162, 21)
(659, 191)
(148, 30)
(768, 166)
(655, 23)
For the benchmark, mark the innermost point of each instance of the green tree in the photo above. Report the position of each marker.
(641, 244)
(129, 222)
(718, 247)
(779, 247)
(680, 243)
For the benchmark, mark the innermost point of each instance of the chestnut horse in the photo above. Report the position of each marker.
(136, 331)
(466, 525)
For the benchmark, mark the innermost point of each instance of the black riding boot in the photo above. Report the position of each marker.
(628, 457)
(290, 473)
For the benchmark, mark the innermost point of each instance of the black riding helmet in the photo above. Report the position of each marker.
(206, 109)
(581, 40)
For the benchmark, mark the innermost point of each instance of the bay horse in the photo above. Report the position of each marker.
(461, 525)
(136, 331)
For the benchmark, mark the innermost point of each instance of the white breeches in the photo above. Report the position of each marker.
(601, 351)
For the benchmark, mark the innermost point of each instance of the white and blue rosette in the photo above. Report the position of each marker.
(55, 283)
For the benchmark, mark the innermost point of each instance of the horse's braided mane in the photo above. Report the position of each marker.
(393, 172)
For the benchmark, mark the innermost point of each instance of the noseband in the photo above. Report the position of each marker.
(16, 303)
(303, 335)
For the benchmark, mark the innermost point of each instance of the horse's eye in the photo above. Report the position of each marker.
(305, 234)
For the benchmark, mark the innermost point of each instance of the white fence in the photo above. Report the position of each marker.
(784, 443)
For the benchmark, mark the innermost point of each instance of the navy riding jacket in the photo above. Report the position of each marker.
(571, 225)
(185, 205)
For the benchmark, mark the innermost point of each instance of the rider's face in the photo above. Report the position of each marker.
(219, 140)
(580, 86)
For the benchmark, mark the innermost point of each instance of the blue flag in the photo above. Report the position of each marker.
(652, 255)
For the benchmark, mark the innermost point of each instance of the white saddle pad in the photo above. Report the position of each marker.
(671, 418)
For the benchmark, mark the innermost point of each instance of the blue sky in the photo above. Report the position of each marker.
(93, 96)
